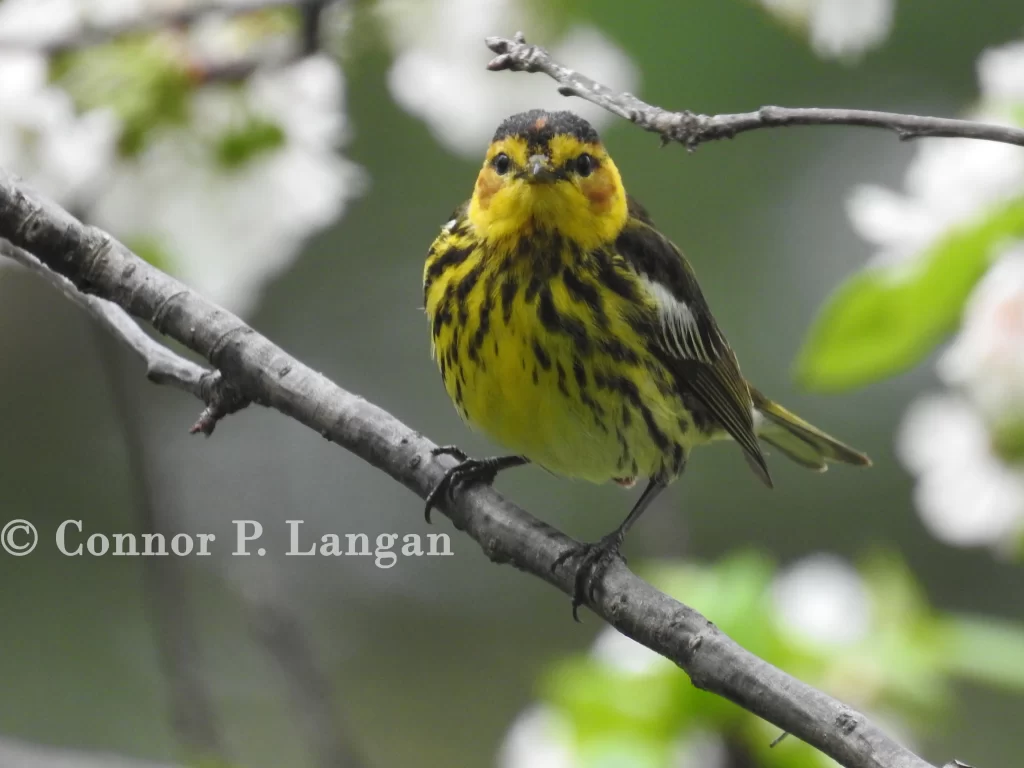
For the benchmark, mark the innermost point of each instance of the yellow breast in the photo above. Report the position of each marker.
(544, 362)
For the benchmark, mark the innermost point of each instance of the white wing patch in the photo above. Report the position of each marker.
(759, 420)
(678, 324)
(450, 225)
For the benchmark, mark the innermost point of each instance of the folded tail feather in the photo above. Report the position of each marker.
(802, 442)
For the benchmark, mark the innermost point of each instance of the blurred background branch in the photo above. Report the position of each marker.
(15, 753)
(691, 129)
(155, 20)
(168, 602)
(277, 628)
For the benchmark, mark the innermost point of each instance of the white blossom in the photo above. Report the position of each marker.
(539, 738)
(439, 72)
(838, 28)
(700, 749)
(34, 22)
(822, 600)
(42, 138)
(966, 495)
(986, 360)
(949, 183)
(224, 228)
(622, 653)
(952, 182)
(1001, 74)
(229, 230)
(966, 492)
(41, 22)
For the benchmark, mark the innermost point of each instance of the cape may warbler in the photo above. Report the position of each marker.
(570, 330)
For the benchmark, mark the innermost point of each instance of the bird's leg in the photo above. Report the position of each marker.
(467, 472)
(594, 558)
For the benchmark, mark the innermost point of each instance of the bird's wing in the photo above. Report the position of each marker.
(686, 335)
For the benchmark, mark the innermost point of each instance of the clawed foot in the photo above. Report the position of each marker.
(593, 560)
(467, 472)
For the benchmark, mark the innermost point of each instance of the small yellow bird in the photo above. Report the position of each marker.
(570, 330)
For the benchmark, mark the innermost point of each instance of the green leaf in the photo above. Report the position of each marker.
(149, 249)
(733, 594)
(617, 750)
(1008, 440)
(984, 649)
(602, 701)
(140, 78)
(884, 320)
(240, 145)
(898, 598)
(759, 735)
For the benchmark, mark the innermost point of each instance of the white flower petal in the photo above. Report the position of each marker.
(965, 495)
(43, 139)
(228, 231)
(838, 28)
(447, 85)
(950, 183)
(986, 360)
(706, 749)
(38, 21)
(104, 12)
(847, 28)
(306, 99)
(900, 225)
(625, 654)
(539, 738)
(822, 600)
(1001, 73)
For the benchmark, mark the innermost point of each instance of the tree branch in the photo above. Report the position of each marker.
(691, 129)
(162, 365)
(97, 263)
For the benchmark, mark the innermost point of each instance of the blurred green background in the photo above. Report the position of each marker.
(432, 659)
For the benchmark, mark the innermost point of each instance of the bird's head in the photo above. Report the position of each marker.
(546, 172)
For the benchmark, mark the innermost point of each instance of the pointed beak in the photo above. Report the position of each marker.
(538, 170)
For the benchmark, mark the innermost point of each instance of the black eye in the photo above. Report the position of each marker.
(584, 164)
(501, 163)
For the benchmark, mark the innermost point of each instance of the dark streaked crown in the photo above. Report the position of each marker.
(538, 127)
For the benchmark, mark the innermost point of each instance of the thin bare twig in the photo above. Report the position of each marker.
(92, 259)
(162, 365)
(691, 129)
